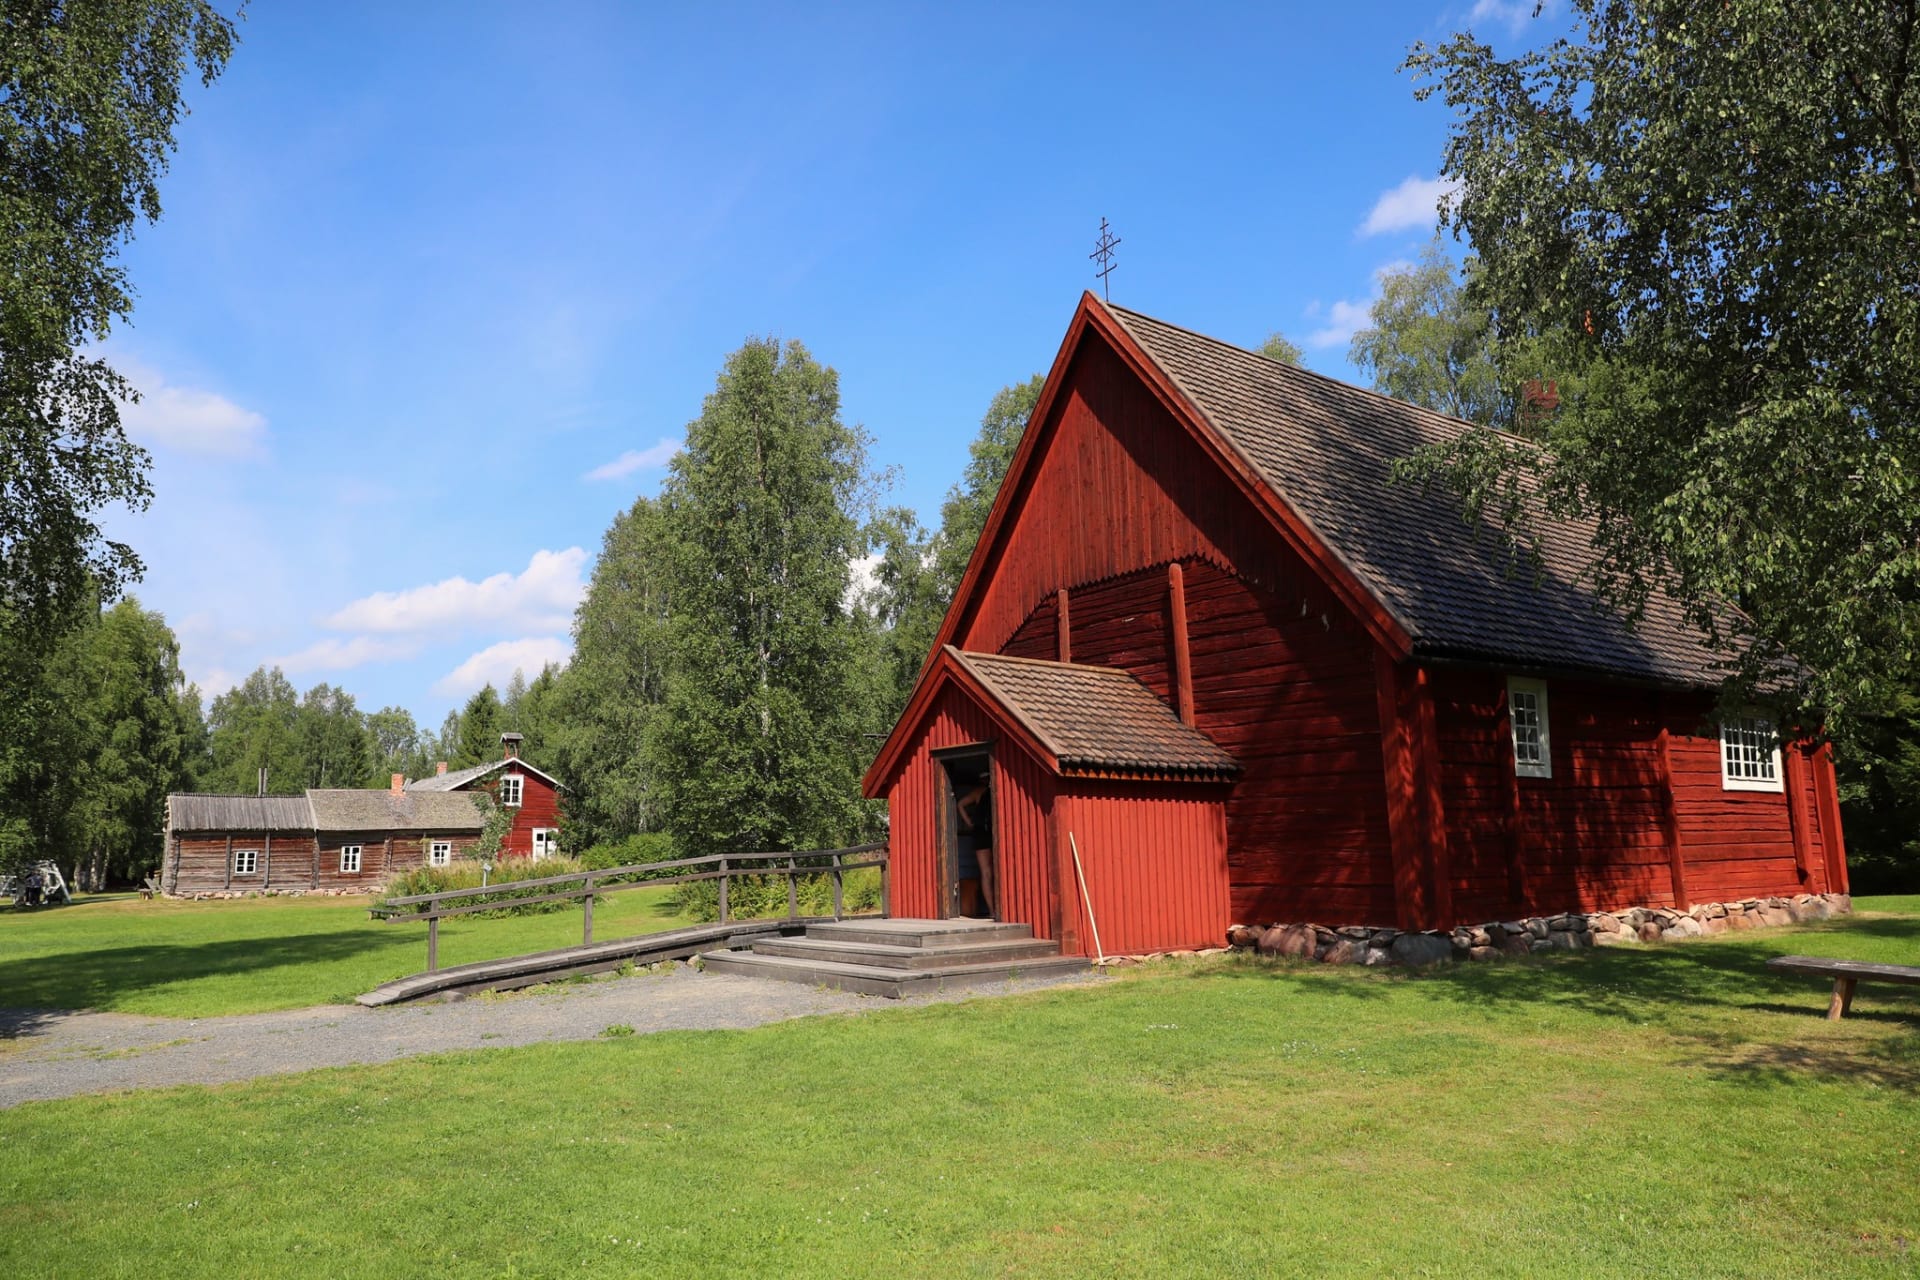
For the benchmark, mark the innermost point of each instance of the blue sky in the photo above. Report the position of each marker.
(438, 288)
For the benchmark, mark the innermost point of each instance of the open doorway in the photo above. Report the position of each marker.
(966, 825)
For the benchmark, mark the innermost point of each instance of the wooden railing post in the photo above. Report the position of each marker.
(793, 891)
(433, 944)
(586, 929)
(723, 888)
(886, 900)
(837, 897)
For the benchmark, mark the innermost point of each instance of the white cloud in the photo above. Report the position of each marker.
(636, 460)
(496, 664)
(188, 418)
(1411, 206)
(1344, 319)
(1512, 14)
(542, 598)
(334, 654)
(212, 682)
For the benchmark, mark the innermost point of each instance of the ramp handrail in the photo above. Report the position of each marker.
(433, 908)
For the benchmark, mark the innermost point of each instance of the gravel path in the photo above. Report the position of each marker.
(55, 1055)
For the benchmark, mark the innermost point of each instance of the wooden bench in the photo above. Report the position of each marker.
(1846, 974)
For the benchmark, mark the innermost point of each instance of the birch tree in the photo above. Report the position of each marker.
(760, 743)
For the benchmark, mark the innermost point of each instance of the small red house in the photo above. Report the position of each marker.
(532, 793)
(1215, 668)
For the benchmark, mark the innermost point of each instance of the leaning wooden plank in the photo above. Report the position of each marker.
(545, 966)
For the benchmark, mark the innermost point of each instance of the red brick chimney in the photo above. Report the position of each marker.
(399, 783)
(439, 767)
(510, 745)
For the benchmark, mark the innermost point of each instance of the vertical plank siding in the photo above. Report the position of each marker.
(1026, 887)
(1119, 487)
(1155, 861)
(1023, 804)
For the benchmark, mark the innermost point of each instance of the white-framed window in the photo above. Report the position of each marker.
(546, 842)
(511, 787)
(1527, 714)
(439, 852)
(1749, 755)
(246, 862)
(349, 859)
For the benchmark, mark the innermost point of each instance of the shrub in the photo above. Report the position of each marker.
(466, 874)
(750, 897)
(632, 851)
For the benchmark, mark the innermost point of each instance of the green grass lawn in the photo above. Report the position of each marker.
(247, 955)
(1671, 1111)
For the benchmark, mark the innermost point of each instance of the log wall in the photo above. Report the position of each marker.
(1599, 834)
(198, 862)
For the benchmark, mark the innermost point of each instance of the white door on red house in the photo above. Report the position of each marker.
(546, 842)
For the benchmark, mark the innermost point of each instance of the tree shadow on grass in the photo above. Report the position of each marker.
(103, 978)
(1892, 1063)
(1664, 983)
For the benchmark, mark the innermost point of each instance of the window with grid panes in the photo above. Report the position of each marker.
(1749, 755)
(1527, 716)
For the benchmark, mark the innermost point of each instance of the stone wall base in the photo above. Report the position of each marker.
(223, 894)
(1630, 926)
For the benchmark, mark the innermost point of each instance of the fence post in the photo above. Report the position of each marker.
(586, 933)
(723, 888)
(433, 943)
(793, 891)
(836, 887)
(886, 899)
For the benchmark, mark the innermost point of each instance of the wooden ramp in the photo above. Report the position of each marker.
(897, 958)
(596, 957)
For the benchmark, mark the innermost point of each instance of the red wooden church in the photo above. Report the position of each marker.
(1214, 668)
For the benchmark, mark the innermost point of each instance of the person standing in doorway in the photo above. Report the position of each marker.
(975, 820)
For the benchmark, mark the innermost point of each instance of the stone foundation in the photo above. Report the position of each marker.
(1630, 926)
(222, 894)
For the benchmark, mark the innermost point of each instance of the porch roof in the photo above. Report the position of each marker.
(1096, 720)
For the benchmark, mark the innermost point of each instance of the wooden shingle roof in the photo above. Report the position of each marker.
(1097, 719)
(383, 811)
(329, 810)
(187, 812)
(1327, 449)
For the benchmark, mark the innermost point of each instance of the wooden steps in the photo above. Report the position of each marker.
(895, 958)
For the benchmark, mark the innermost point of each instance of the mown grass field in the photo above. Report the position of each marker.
(248, 955)
(1672, 1111)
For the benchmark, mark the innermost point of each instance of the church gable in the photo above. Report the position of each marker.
(1114, 484)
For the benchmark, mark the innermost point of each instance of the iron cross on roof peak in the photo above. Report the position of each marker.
(1103, 254)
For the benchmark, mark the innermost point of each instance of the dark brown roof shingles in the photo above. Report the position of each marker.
(1327, 449)
(1098, 719)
